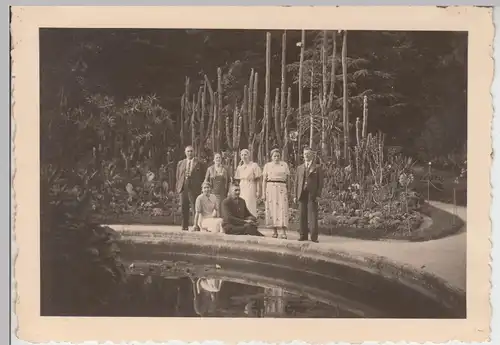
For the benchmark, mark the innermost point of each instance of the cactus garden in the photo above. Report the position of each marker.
(323, 100)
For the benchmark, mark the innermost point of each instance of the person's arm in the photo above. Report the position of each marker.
(288, 181)
(203, 168)
(228, 216)
(197, 215)
(228, 180)
(264, 181)
(178, 171)
(320, 180)
(207, 175)
(296, 184)
(258, 177)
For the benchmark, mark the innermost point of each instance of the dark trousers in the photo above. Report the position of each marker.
(308, 212)
(188, 197)
(247, 229)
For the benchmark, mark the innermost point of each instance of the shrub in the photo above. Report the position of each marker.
(80, 264)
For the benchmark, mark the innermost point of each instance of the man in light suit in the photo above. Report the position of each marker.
(307, 188)
(189, 177)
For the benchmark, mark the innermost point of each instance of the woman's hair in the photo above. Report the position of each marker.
(206, 183)
(273, 151)
(217, 154)
(243, 151)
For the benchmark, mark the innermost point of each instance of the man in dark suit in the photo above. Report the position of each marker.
(236, 218)
(307, 188)
(189, 177)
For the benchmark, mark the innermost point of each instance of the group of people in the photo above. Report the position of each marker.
(228, 202)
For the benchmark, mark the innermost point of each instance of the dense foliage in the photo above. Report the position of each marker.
(80, 264)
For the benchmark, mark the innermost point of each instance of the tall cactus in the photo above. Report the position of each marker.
(214, 134)
(185, 116)
(323, 95)
(365, 116)
(233, 139)
(202, 111)
(283, 89)
(285, 125)
(193, 128)
(358, 132)
(267, 100)
(249, 97)
(211, 114)
(219, 106)
(253, 126)
(244, 110)
(311, 110)
(301, 87)
(276, 116)
(345, 99)
(183, 110)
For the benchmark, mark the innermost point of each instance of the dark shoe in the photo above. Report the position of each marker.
(315, 240)
(185, 229)
(301, 239)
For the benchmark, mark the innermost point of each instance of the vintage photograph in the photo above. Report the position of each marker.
(272, 174)
(253, 173)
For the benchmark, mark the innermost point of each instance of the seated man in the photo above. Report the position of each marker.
(236, 218)
(207, 213)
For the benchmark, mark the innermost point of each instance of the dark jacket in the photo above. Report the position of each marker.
(314, 178)
(197, 175)
(234, 211)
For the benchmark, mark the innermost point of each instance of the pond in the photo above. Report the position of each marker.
(192, 286)
(189, 296)
(189, 274)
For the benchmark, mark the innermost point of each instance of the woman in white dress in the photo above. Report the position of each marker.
(249, 175)
(274, 187)
(207, 213)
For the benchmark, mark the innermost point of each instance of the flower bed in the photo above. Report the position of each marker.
(386, 203)
(368, 225)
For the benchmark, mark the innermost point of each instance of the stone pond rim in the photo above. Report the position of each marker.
(443, 224)
(372, 275)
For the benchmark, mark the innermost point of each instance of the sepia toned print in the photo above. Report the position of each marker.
(211, 175)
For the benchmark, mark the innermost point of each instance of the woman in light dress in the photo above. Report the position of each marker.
(275, 178)
(207, 213)
(218, 176)
(249, 175)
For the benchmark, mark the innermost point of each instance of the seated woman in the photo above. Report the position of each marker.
(207, 211)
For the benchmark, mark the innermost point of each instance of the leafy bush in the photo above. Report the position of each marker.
(80, 264)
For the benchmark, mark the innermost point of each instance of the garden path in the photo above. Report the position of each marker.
(445, 258)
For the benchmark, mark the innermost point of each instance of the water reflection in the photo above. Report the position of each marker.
(212, 297)
(205, 295)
